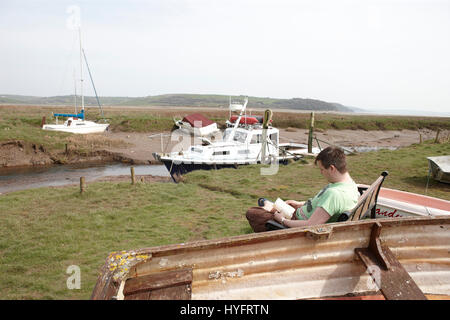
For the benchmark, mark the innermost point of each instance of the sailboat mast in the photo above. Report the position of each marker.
(81, 71)
(75, 90)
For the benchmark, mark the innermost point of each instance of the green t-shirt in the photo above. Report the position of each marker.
(335, 198)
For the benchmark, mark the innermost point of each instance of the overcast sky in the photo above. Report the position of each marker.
(367, 54)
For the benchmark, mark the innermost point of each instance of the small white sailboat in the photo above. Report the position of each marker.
(76, 123)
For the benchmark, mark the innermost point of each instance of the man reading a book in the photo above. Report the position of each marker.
(341, 194)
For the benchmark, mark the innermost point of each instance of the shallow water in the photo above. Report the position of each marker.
(368, 149)
(14, 179)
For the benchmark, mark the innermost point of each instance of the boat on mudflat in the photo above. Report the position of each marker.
(198, 125)
(76, 123)
(398, 258)
(241, 144)
(440, 168)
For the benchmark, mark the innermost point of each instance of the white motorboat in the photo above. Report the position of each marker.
(76, 123)
(241, 144)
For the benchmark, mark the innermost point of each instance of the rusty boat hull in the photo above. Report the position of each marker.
(318, 262)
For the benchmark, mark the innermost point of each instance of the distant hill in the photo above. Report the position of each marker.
(60, 100)
(194, 100)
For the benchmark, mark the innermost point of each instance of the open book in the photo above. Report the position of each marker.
(286, 210)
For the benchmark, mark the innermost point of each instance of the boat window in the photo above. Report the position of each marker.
(198, 150)
(274, 138)
(221, 153)
(243, 151)
(240, 136)
(256, 138)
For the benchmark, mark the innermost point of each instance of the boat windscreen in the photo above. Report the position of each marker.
(240, 136)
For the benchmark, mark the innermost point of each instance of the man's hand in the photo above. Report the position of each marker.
(295, 204)
(278, 217)
(268, 206)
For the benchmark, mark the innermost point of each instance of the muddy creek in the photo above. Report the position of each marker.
(14, 179)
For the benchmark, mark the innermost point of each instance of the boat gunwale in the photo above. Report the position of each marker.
(288, 233)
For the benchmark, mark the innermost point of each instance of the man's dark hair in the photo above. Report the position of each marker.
(332, 156)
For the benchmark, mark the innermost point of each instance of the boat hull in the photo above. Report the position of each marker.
(298, 263)
(84, 130)
(394, 203)
(179, 168)
(440, 168)
(298, 149)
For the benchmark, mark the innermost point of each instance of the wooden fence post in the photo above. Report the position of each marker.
(133, 178)
(82, 184)
(266, 120)
(311, 131)
(437, 136)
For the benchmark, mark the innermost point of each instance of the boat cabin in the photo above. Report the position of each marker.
(239, 144)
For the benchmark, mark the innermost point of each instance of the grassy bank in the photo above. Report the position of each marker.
(14, 119)
(44, 231)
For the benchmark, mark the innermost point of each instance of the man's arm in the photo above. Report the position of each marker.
(319, 216)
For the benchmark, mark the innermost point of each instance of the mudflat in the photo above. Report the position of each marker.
(137, 132)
